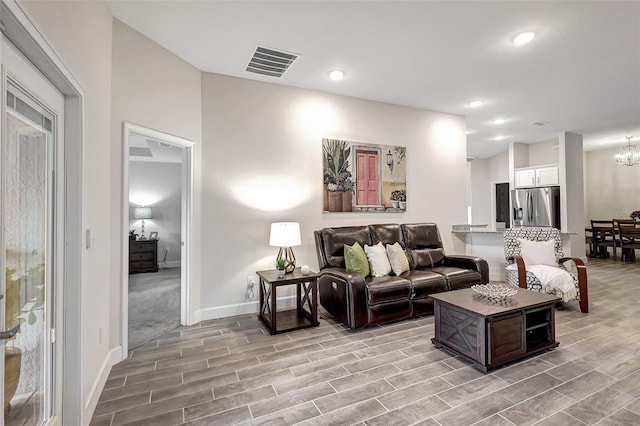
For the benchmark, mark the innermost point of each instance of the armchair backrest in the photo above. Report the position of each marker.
(512, 247)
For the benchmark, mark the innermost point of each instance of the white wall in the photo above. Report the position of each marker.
(163, 181)
(480, 188)
(572, 211)
(81, 32)
(543, 153)
(262, 147)
(155, 89)
(485, 173)
(611, 190)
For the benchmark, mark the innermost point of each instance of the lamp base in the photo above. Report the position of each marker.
(286, 253)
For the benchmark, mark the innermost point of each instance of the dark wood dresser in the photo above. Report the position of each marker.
(143, 256)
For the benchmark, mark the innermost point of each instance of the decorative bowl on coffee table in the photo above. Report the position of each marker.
(495, 291)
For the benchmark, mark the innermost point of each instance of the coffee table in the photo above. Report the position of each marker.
(492, 333)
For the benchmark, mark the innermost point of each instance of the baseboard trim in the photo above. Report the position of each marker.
(239, 309)
(113, 357)
(172, 264)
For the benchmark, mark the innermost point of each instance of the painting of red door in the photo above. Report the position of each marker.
(367, 178)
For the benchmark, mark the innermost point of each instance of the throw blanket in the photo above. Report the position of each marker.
(554, 280)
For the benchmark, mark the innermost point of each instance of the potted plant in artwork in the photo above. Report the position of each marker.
(347, 194)
(133, 234)
(22, 301)
(395, 198)
(280, 265)
(336, 173)
(402, 199)
(635, 215)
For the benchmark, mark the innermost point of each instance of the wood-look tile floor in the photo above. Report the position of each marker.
(231, 371)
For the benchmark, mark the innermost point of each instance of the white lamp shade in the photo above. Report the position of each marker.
(285, 234)
(142, 213)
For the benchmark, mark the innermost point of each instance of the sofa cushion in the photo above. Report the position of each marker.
(423, 243)
(458, 278)
(386, 234)
(334, 239)
(397, 258)
(421, 236)
(378, 260)
(386, 289)
(426, 258)
(355, 259)
(425, 283)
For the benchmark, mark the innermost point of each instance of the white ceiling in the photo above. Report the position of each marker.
(581, 73)
(155, 151)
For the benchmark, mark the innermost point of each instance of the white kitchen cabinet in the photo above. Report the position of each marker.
(525, 178)
(547, 176)
(537, 176)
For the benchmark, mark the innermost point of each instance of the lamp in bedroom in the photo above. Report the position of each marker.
(142, 213)
(285, 235)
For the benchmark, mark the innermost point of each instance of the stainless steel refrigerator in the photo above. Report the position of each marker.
(536, 206)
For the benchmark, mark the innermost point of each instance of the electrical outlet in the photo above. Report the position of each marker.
(250, 285)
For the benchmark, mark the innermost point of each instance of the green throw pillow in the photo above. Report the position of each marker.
(356, 259)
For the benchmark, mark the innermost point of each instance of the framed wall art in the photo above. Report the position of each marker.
(363, 177)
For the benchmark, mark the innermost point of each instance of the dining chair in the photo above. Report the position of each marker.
(629, 238)
(604, 236)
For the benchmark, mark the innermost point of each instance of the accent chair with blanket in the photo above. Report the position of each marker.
(535, 261)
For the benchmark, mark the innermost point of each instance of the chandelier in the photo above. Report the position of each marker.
(629, 154)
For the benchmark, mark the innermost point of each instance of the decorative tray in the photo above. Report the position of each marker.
(495, 291)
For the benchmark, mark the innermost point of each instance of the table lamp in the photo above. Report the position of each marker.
(285, 235)
(142, 213)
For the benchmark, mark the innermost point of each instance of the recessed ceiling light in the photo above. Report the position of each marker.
(498, 121)
(475, 104)
(336, 75)
(523, 38)
(499, 138)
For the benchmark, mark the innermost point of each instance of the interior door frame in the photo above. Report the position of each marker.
(18, 27)
(186, 296)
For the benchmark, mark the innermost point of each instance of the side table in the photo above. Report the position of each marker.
(306, 312)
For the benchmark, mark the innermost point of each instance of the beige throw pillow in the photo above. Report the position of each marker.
(538, 252)
(378, 260)
(397, 258)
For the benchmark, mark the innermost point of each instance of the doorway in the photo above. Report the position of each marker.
(31, 148)
(502, 205)
(157, 209)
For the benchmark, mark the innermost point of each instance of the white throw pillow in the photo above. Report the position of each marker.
(378, 260)
(538, 252)
(397, 258)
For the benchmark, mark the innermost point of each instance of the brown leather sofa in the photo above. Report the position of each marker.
(360, 302)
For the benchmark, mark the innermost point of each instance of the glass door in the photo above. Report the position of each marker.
(26, 238)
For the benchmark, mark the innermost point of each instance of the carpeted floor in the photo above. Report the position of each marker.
(154, 305)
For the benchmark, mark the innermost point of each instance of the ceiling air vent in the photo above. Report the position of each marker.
(139, 152)
(270, 62)
(539, 123)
